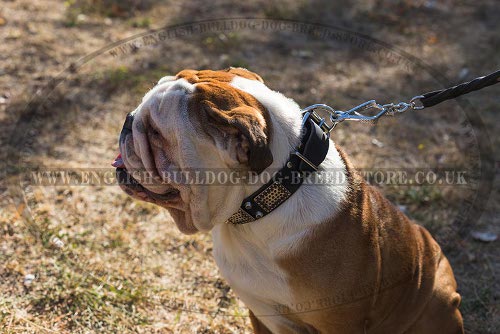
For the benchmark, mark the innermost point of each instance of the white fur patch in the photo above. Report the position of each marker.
(245, 253)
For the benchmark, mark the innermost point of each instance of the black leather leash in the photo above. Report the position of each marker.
(315, 142)
(432, 98)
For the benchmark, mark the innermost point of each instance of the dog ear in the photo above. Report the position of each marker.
(243, 133)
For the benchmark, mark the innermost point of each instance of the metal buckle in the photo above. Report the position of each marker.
(309, 112)
(303, 158)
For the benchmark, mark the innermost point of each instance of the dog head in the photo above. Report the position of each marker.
(196, 121)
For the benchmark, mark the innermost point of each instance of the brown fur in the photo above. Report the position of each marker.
(371, 270)
(258, 327)
(226, 75)
(230, 115)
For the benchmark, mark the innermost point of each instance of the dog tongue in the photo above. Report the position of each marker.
(118, 163)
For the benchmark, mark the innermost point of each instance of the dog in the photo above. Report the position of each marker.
(335, 258)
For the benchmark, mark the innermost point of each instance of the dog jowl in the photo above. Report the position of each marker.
(336, 258)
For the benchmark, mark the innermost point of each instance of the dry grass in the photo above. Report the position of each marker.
(104, 263)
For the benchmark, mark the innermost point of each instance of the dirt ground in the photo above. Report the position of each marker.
(88, 259)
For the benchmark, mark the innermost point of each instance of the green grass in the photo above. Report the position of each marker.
(124, 267)
(132, 81)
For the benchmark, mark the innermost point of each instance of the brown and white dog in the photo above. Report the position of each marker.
(331, 259)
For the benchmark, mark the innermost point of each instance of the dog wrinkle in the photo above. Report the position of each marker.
(231, 113)
(343, 242)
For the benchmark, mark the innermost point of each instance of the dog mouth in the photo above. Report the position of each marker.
(170, 199)
(133, 188)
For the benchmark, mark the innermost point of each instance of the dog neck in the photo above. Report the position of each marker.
(312, 204)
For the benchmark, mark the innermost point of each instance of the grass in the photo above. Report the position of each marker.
(134, 81)
(81, 282)
(109, 8)
(104, 263)
(65, 283)
(141, 22)
(77, 11)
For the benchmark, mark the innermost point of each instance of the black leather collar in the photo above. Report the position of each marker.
(303, 160)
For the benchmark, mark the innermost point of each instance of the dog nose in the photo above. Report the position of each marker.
(127, 127)
(128, 122)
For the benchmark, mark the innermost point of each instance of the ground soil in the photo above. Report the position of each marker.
(103, 263)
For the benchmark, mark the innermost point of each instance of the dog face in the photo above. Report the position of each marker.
(194, 121)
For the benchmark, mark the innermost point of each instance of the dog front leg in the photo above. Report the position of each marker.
(258, 326)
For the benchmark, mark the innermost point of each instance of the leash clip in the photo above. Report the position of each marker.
(354, 114)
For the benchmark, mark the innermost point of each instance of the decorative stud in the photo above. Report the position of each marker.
(259, 214)
(289, 164)
(248, 205)
(272, 197)
(240, 217)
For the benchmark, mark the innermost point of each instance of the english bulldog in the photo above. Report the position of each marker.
(330, 258)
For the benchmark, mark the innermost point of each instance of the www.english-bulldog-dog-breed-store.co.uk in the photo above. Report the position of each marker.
(341, 249)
